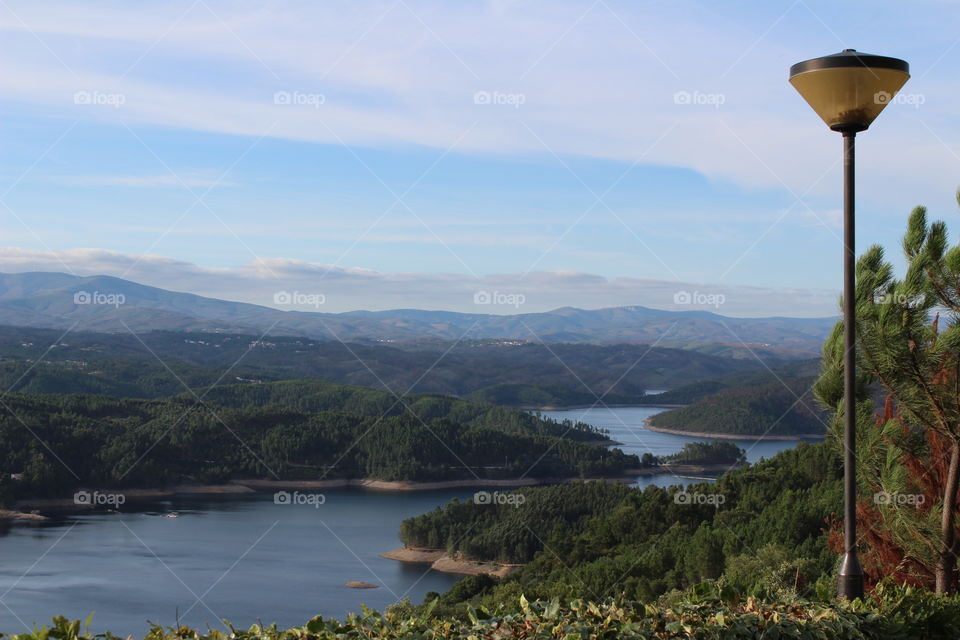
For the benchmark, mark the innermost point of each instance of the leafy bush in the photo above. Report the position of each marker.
(706, 612)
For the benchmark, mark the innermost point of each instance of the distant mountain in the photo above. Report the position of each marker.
(108, 304)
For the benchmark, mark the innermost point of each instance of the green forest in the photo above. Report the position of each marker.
(284, 430)
(751, 555)
(783, 407)
(714, 452)
(601, 540)
(512, 374)
(769, 533)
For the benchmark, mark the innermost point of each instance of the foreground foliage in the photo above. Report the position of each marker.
(706, 612)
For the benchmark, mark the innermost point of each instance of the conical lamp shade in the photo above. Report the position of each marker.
(848, 90)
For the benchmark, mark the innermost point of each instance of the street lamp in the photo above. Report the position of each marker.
(848, 90)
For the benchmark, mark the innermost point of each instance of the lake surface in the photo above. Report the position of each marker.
(625, 425)
(244, 558)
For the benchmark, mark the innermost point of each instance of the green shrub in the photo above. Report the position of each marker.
(708, 611)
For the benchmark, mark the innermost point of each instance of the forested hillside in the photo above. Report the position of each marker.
(310, 396)
(692, 391)
(783, 407)
(108, 442)
(763, 525)
(45, 361)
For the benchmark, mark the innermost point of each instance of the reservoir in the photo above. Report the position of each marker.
(245, 558)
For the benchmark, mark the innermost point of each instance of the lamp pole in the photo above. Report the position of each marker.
(850, 576)
(848, 90)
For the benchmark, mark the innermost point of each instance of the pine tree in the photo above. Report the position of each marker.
(902, 348)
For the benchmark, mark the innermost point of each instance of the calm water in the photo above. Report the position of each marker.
(625, 425)
(244, 558)
(241, 557)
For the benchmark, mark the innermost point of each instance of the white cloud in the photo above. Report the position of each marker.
(178, 181)
(346, 289)
(596, 80)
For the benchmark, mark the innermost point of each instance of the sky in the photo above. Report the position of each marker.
(376, 155)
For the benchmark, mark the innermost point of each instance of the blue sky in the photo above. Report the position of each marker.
(409, 154)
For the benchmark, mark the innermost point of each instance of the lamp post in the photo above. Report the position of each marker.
(848, 90)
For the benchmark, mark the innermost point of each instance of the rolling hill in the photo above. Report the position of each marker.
(161, 363)
(108, 304)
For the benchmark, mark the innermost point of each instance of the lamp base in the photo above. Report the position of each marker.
(850, 577)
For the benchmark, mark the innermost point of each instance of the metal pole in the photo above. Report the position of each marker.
(850, 578)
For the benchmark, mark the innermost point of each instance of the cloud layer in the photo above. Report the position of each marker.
(672, 84)
(294, 284)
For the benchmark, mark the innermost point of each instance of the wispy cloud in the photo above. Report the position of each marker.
(155, 181)
(728, 172)
(596, 85)
(346, 289)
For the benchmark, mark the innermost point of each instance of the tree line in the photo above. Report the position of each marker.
(51, 444)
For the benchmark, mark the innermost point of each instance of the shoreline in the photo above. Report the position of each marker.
(731, 436)
(647, 424)
(37, 509)
(7, 515)
(572, 407)
(440, 560)
(684, 469)
(70, 505)
(263, 485)
(421, 485)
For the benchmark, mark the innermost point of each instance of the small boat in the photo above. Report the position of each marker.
(172, 514)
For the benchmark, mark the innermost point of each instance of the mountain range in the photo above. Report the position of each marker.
(109, 304)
